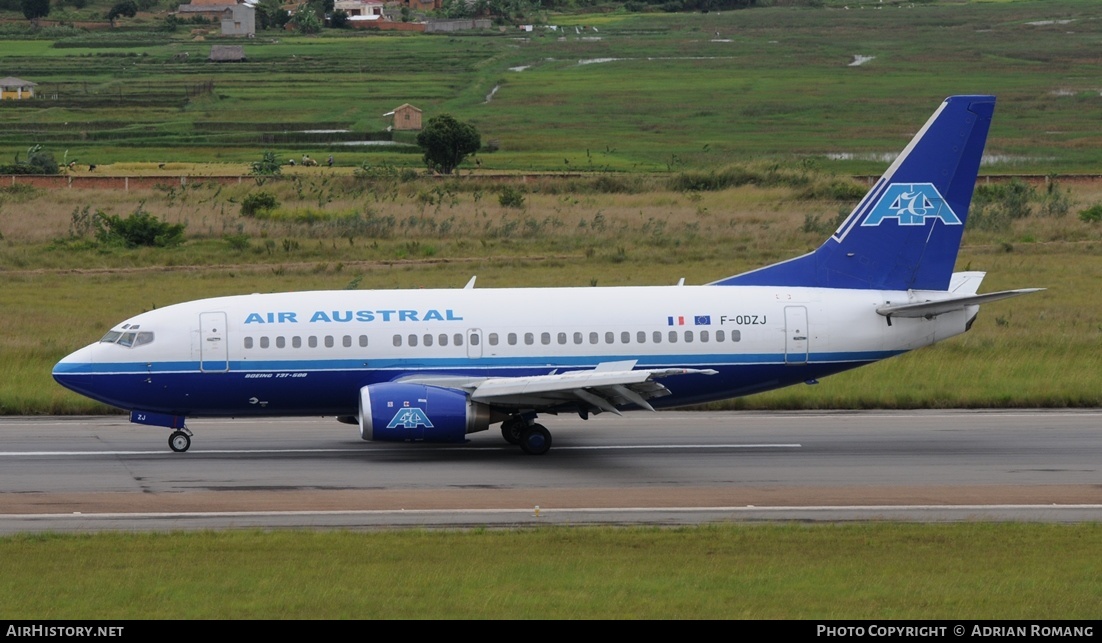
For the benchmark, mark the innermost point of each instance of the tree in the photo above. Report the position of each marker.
(339, 19)
(270, 14)
(35, 9)
(307, 20)
(446, 142)
(124, 8)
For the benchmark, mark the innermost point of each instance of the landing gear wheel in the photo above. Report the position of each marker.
(535, 440)
(511, 431)
(179, 441)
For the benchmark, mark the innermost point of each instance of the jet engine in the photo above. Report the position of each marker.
(403, 412)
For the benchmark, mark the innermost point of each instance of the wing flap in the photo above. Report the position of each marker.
(602, 388)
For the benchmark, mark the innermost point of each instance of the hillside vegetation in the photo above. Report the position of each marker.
(617, 91)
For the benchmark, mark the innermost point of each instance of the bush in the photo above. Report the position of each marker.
(139, 229)
(258, 203)
(511, 197)
(268, 165)
(1092, 214)
(39, 161)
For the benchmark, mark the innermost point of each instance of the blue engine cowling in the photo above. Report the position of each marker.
(397, 412)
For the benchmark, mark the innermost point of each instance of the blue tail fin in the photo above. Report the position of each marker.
(906, 232)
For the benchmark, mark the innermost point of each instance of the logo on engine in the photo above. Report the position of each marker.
(410, 418)
(911, 205)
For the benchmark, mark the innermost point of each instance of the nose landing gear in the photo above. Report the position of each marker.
(180, 440)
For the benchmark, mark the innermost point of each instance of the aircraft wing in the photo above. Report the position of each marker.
(933, 308)
(609, 385)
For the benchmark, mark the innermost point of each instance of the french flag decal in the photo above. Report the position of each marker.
(676, 321)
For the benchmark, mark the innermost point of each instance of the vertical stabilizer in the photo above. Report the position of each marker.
(905, 233)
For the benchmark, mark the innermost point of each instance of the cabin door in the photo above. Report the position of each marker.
(214, 350)
(795, 335)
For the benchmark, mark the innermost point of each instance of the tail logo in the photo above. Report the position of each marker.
(911, 204)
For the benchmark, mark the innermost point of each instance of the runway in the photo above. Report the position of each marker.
(88, 474)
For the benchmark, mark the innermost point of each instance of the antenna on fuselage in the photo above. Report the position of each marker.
(470, 284)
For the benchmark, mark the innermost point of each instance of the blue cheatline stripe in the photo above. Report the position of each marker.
(465, 363)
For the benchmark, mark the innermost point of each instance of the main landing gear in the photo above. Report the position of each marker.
(532, 438)
(180, 440)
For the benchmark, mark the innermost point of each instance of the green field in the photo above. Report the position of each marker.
(874, 571)
(628, 92)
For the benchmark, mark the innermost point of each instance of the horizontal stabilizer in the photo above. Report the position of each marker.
(930, 309)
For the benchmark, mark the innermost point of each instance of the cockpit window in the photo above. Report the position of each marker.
(129, 339)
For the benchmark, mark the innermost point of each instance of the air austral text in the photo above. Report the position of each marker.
(290, 317)
(64, 630)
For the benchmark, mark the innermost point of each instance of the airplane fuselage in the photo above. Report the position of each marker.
(308, 353)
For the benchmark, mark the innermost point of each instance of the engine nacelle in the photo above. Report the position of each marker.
(398, 412)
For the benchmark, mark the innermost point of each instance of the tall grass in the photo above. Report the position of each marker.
(1033, 351)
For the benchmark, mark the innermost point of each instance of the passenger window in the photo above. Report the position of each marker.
(720, 336)
(512, 339)
(625, 337)
(577, 338)
(492, 338)
(458, 339)
(346, 341)
(296, 342)
(657, 337)
(313, 341)
(593, 338)
(736, 335)
(673, 336)
(641, 337)
(248, 342)
(281, 342)
(428, 339)
(562, 338)
(264, 341)
(329, 341)
(363, 341)
(545, 338)
(689, 336)
(474, 339)
(443, 339)
(412, 340)
(529, 339)
(397, 340)
(704, 336)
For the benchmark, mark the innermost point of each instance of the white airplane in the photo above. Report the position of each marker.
(436, 365)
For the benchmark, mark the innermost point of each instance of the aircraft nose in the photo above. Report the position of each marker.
(75, 370)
